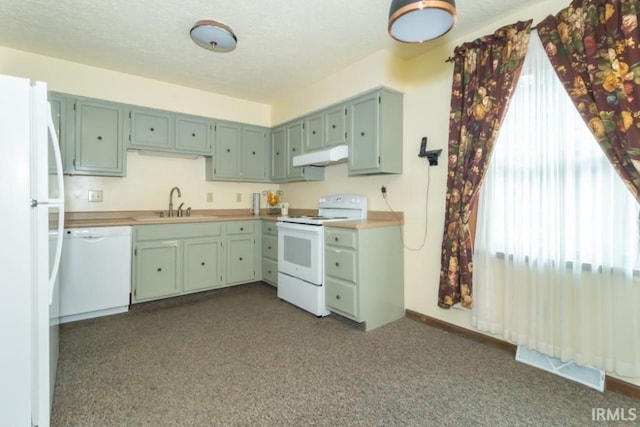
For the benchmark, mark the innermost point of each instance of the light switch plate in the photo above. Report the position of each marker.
(210, 197)
(95, 195)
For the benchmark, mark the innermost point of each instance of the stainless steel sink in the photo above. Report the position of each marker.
(158, 218)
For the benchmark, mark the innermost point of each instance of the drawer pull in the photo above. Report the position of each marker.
(193, 134)
(202, 263)
(269, 247)
(337, 296)
(240, 258)
(99, 138)
(152, 129)
(337, 264)
(241, 228)
(333, 126)
(337, 239)
(159, 269)
(269, 271)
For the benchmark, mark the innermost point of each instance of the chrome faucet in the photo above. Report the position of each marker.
(171, 199)
(180, 212)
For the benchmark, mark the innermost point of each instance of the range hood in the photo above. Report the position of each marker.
(322, 157)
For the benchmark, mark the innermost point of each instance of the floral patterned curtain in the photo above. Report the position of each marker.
(594, 46)
(485, 75)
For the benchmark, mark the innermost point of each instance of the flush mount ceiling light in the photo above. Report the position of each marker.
(412, 21)
(214, 36)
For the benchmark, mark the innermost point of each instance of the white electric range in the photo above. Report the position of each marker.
(301, 250)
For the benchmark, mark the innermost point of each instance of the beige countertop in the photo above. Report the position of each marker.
(123, 218)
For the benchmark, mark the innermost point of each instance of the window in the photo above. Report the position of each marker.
(550, 193)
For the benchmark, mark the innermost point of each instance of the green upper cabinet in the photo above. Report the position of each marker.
(241, 153)
(255, 150)
(98, 139)
(335, 126)
(326, 128)
(288, 141)
(151, 129)
(295, 136)
(227, 151)
(193, 134)
(167, 132)
(314, 132)
(375, 133)
(279, 154)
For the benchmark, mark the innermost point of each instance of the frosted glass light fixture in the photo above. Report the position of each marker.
(214, 36)
(412, 21)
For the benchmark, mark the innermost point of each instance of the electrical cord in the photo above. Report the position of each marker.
(426, 215)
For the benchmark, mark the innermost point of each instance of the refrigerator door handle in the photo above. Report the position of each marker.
(58, 156)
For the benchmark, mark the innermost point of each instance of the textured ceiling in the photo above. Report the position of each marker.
(282, 45)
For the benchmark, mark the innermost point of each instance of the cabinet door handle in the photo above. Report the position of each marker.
(337, 264)
(202, 263)
(193, 134)
(269, 247)
(152, 129)
(240, 258)
(337, 296)
(99, 138)
(361, 133)
(241, 228)
(337, 239)
(333, 126)
(159, 269)
(228, 150)
(277, 154)
(254, 153)
(314, 132)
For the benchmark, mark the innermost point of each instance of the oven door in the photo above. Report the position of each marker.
(300, 251)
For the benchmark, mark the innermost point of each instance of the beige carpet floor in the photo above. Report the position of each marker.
(242, 357)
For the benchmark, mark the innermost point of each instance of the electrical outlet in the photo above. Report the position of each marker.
(383, 190)
(95, 195)
(210, 197)
(238, 197)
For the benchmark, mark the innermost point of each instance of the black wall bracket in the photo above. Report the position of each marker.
(431, 155)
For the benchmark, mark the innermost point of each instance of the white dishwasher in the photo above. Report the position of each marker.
(95, 272)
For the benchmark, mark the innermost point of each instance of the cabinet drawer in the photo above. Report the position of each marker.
(340, 263)
(177, 231)
(270, 271)
(340, 237)
(269, 227)
(342, 297)
(240, 227)
(270, 247)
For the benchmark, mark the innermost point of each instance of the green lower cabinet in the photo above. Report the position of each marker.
(177, 259)
(240, 260)
(242, 251)
(270, 252)
(202, 264)
(157, 270)
(364, 274)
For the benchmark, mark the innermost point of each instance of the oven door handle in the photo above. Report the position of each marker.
(310, 228)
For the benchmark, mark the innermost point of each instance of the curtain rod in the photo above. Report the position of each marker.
(451, 58)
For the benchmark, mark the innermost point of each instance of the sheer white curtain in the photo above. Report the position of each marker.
(556, 254)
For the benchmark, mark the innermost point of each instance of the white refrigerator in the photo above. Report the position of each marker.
(31, 222)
